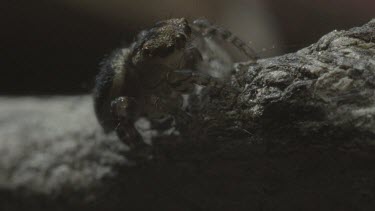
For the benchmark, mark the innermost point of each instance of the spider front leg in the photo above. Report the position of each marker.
(207, 86)
(125, 112)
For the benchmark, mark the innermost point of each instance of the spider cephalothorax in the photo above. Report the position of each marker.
(147, 80)
(164, 39)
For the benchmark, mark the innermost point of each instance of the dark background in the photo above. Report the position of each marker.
(50, 47)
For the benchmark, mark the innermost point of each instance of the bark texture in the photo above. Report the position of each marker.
(300, 135)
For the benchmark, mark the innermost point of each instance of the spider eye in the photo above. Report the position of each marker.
(180, 41)
(164, 51)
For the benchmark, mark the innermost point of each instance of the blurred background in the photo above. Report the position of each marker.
(55, 47)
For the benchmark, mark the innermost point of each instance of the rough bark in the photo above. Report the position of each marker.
(299, 136)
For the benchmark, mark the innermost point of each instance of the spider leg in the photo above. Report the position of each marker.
(188, 78)
(207, 29)
(124, 112)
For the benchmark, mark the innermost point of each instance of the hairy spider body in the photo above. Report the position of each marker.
(147, 79)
